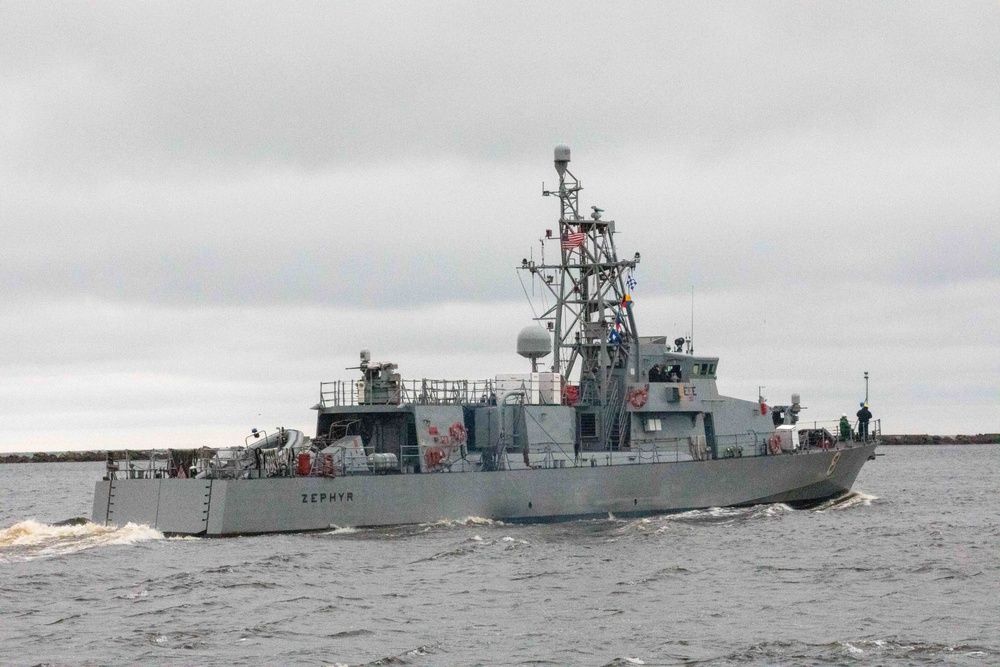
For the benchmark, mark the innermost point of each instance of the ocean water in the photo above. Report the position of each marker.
(905, 571)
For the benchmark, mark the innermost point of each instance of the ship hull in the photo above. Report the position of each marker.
(290, 504)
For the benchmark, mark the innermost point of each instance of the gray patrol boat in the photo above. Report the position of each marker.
(617, 424)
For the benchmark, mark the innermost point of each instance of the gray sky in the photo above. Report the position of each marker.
(207, 208)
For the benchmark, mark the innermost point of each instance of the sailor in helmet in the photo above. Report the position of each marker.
(845, 427)
(864, 416)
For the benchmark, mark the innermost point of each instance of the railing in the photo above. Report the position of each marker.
(432, 392)
(157, 466)
(239, 463)
(874, 430)
(699, 448)
(242, 463)
(834, 428)
(419, 392)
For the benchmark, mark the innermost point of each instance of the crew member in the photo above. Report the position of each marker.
(864, 416)
(845, 427)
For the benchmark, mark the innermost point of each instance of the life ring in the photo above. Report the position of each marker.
(458, 433)
(638, 398)
(775, 443)
(433, 456)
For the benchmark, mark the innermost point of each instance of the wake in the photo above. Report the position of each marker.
(32, 539)
(846, 501)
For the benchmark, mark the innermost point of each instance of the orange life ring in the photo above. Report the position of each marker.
(775, 443)
(457, 432)
(638, 398)
(433, 456)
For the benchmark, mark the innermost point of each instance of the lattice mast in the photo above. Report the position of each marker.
(592, 322)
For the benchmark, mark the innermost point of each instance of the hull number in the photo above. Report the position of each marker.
(833, 464)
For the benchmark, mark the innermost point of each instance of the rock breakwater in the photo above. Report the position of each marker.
(979, 439)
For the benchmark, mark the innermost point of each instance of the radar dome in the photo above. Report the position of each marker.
(562, 158)
(533, 342)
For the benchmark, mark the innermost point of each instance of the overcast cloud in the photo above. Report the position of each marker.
(207, 208)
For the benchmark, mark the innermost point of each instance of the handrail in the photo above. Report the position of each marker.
(241, 462)
(428, 391)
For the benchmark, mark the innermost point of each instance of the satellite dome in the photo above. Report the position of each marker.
(533, 342)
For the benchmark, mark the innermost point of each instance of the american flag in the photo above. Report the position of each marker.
(630, 281)
(572, 240)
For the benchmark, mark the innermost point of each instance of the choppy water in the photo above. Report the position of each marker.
(906, 571)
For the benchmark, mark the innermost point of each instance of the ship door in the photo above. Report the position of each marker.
(710, 435)
(586, 431)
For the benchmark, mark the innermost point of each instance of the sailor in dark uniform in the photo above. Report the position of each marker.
(656, 373)
(864, 416)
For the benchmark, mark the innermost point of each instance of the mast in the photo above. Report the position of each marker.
(592, 322)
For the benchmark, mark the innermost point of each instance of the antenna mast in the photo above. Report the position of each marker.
(691, 342)
(592, 322)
